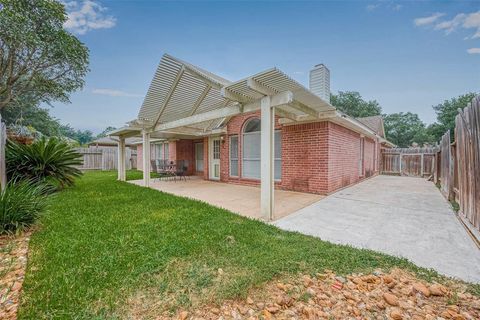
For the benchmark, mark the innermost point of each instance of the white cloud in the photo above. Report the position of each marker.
(473, 51)
(372, 7)
(461, 20)
(87, 15)
(450, 25)
(397, 7)
(428, 20)
(115, 93)
(473, 21)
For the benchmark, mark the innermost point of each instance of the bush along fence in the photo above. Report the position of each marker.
(106, 158)
(458, 165)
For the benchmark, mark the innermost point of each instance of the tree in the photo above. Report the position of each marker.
(352, 103)
(403, 129)
(105, 132)
(37, 55)
(82, 136)
(446, 113)
(30, 115)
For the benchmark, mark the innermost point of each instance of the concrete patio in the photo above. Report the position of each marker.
(401, 216)
(244, 200)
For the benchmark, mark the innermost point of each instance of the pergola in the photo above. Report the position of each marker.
(187, 102)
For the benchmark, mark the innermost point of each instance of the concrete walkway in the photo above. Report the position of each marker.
(244, 200)
(406, 217)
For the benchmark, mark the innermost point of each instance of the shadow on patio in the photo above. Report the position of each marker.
(244, 200)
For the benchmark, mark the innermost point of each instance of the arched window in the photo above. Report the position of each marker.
(251, 150)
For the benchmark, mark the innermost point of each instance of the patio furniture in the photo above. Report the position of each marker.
(162, 168)
(181, 170)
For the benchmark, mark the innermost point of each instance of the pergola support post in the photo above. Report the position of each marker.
(266, 158)
(121, 159)
(146, 158)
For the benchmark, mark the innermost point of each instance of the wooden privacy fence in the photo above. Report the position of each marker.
(467, 155)
(413, 162)
(106, 158)
(458, 165)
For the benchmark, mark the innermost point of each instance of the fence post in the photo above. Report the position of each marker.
(400, 160)
(421, 165)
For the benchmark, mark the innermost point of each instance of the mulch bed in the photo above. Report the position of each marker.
(13, 261)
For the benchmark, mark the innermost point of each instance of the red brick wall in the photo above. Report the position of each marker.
(172, 151)
(343, 157)
(205, 158)
(305, 157)
(140, 157)
(369, 157)
(185, 151)
(318, 157)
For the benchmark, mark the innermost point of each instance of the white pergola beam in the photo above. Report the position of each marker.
(170, 93)
(228, 94)
(121, 159)
(280, 99)
(146, 158)
(266, 158)
(285, 114)
(260, 88)
(200, 99)
(303, 108)
(206, 116)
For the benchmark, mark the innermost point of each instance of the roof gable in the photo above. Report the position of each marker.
(375, 123)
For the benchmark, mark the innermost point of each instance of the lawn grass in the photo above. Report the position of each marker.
(106, 247)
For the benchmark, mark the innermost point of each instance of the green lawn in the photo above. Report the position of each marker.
(106, 247)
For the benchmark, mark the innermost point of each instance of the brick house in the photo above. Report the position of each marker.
(264, 130)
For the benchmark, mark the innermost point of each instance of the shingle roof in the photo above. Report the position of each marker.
(375, 123)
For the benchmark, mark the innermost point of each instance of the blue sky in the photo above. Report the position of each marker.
(406, 55)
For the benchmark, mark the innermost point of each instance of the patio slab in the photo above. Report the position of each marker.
(406, 217)
(244, 200)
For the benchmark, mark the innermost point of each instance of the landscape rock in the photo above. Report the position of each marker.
(391, 299)
(420, 287)
(438, 290)
(13, 261)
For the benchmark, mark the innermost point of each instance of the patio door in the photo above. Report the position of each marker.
(199, 157)
(214, 155)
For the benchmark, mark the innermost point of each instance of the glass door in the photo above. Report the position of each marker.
(214, 167)
(199, 157)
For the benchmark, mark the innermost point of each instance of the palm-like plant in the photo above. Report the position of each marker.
(20, 205)
(46, 160)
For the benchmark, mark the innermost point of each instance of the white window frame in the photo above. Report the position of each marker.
(243, 134)
(163, 152)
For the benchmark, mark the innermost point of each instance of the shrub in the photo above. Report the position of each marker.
(51, 161)
(20, 205)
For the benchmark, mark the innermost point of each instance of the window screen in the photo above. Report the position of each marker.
(251, 151)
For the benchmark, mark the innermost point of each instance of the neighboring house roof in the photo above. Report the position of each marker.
(375, 123)
(108, 141)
